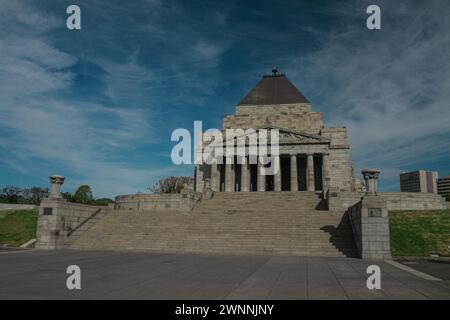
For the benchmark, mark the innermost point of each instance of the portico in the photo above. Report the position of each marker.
(302, 163)
(297, 172)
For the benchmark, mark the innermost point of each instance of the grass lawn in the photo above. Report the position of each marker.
(419, 233)
(17, 226)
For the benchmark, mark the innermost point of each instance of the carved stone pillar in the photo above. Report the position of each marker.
(310, 163)
(294, 178)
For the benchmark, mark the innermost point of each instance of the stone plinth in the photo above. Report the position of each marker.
(370, 223)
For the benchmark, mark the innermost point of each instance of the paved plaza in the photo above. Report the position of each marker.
(35, 274)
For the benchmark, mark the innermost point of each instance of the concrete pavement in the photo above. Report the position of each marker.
(34, 274)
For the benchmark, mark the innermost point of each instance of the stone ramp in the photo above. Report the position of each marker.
(238, 223)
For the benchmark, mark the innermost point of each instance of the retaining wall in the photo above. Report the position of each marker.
(394, 200)
(14, 206)
(185, 200)
(59, 219)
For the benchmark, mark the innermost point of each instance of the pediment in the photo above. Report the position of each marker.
(287, 136)
(292, 136)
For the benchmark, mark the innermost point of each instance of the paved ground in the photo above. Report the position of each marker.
(439, 268)
(36, 274)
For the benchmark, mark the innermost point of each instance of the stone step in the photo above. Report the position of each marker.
(247, 223)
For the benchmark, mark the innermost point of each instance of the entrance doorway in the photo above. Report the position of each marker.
(302, 175)
(318, 173)
(253, 177)
(285, 167)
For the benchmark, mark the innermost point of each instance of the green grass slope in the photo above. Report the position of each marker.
(17, 226)
(420, 233)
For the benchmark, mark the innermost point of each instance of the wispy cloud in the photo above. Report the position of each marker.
(99, 105)
(43, 132)
(391, 88)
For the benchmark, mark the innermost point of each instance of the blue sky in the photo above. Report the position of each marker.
(98, 105)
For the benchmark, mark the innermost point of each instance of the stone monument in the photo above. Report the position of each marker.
(370, 221)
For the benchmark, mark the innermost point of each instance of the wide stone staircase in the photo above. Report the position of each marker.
(291, 223)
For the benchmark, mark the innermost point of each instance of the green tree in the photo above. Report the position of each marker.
(83, 195)
(68, 196)
(10, 194)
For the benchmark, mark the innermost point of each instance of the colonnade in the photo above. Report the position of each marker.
(223, 177)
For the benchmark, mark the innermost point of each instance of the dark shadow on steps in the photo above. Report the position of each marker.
(341, 237)
(322, 205)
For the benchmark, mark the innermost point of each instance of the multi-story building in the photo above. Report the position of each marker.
(443, 186)
(419, 181)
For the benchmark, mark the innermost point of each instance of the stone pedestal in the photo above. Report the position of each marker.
(375, 243)
(370, 221)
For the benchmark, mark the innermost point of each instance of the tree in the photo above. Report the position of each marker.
(10, 194)
(37, 194)
(83, 195)
(447, 198)
(171, 184)
(67, 195)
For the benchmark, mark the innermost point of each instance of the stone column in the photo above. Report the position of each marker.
(277, 174)
(199, 178)
(56, 181)
(325, 173)
(214, 177)
(370, 178)
(261, 178)
(244, 175)
(229, 176)
(310, 161)
(294, 178)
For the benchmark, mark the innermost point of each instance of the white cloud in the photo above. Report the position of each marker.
(391, 88)
(40, 130)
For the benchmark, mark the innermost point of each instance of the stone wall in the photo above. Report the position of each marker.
(413, 201)
(295, 117)
(339, 167)
(276, 108)
(394, 200)
(370, 225)
(337, 136)
(185, 200)
(15, 206)
(59, 219)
